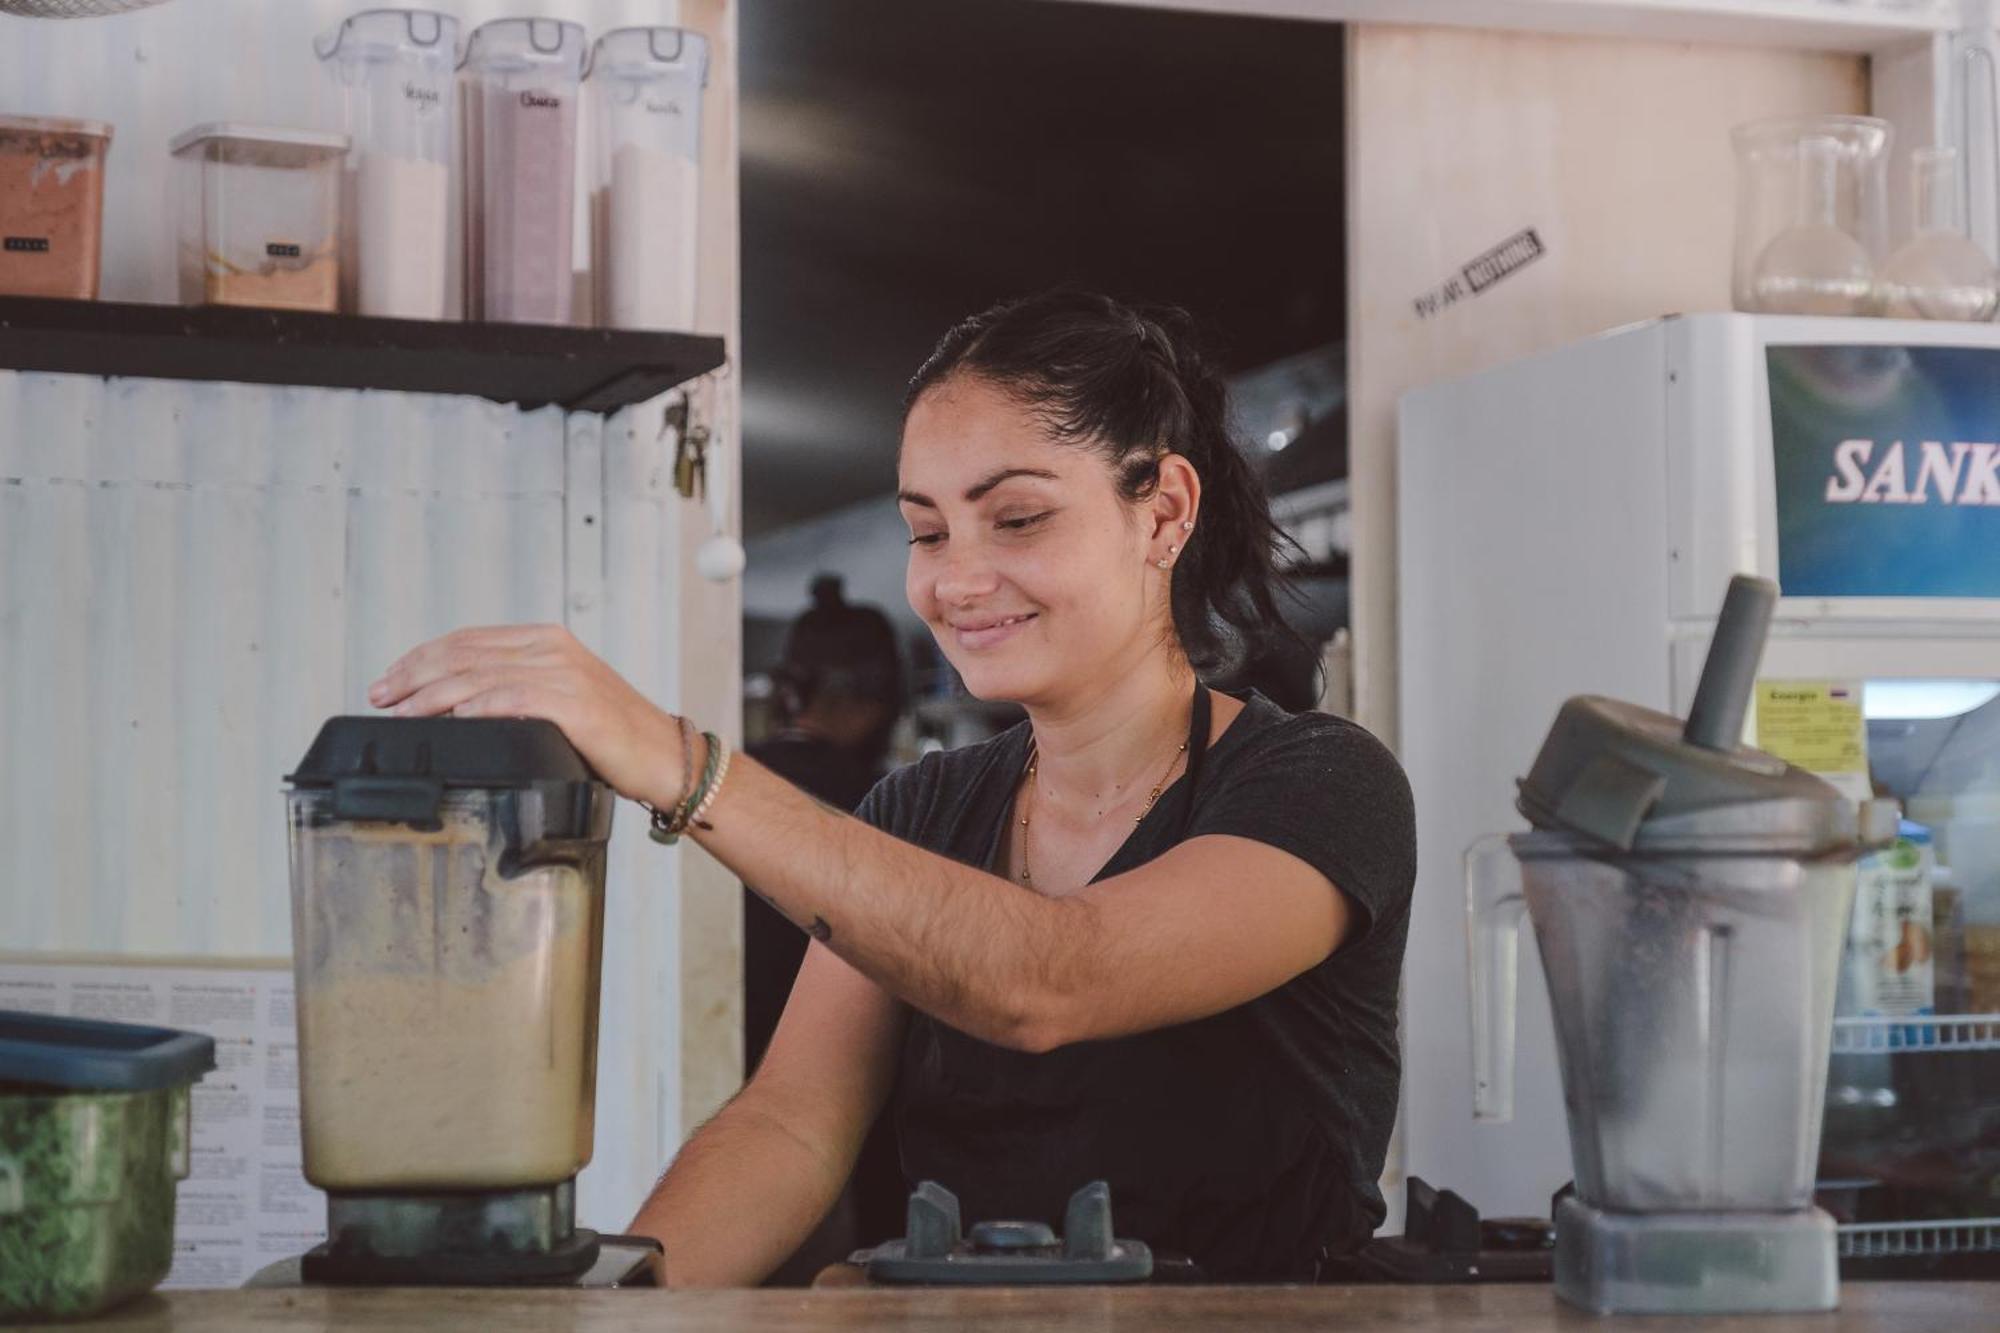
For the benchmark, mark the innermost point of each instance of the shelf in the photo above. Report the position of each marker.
(1922, 1035)
(532, 365)
(1885, 1240)
(1856, 26)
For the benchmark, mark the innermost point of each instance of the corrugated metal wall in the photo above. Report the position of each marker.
(194, 576)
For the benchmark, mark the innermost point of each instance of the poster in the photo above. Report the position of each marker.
(1886, 469)
(245, 1202)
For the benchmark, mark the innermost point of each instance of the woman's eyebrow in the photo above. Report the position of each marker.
(980, 488)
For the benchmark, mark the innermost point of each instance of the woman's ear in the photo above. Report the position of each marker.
(1175, 500)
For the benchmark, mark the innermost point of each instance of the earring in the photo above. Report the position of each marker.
(1173, 550)
(1187, 525)
(1164, 563)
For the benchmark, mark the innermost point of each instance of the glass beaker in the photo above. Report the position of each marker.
(1811, 213)
(1940, 272)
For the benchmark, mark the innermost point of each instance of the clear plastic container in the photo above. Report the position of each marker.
(93, 1138)
(396, 70)
(522, 78)
(51, 206)
(1811, 214)
(259, 216)
(646, 88)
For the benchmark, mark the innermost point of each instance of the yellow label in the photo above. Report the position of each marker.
(1816, 724)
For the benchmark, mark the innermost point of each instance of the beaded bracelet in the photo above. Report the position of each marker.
(700, 816)
(668, 829)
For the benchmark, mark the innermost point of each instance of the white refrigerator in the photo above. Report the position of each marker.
(1568, 525)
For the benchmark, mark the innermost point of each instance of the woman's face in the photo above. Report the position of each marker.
(1029, 568)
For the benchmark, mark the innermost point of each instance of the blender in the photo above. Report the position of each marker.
(447, 924)
(1689, 896)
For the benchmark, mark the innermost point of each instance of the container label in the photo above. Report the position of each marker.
(30, 245)
(1815, 724)
(1887, 470)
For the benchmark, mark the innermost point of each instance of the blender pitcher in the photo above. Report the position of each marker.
(1689, 896)
(447, 935)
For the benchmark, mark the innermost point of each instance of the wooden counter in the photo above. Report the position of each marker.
(1873, 1307)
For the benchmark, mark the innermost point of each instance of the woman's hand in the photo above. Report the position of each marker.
(542, 671)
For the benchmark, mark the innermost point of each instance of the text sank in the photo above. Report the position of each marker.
(1928, 472)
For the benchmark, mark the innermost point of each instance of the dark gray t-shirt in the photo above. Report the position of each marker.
(1250, 1141)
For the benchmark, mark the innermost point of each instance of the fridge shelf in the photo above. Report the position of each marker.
(1881, 1240)
(1916, 1034)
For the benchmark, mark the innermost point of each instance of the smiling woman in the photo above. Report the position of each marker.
(1189, 987)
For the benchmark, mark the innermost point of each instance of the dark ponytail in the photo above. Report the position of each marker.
(1132, 385)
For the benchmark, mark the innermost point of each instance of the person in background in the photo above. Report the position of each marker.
(839, 692)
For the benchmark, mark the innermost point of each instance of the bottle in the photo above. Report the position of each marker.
(1815, 267)
(1939, 273)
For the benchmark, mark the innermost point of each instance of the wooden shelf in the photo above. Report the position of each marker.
(1860, 26)
(532, 365)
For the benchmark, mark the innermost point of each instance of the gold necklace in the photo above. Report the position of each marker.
(1152, 797)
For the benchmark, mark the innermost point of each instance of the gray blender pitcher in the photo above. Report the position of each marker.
(1689, 895)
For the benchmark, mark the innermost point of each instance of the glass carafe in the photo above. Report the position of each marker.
(1939, 273)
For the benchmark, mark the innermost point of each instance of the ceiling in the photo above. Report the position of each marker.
(908, 162)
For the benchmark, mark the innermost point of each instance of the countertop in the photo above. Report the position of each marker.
(1889, 1307)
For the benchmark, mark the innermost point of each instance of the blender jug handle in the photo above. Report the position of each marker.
(1494, 906)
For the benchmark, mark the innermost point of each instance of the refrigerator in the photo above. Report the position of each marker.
(1568, 524)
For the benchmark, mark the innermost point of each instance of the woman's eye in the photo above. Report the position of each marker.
(1027, 521)
(926, 538)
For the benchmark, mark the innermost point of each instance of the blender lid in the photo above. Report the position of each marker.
(97, 1055)
(1628, 776)
(456, 752)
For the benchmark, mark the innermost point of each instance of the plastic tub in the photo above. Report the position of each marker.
(259, 216)
(645, 202)
(520, 87)
(51, 206)
(93, 1137)
(395, 69)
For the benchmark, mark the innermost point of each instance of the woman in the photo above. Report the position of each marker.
(1151, 936)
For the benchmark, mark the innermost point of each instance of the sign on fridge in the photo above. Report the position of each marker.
(1887, 470)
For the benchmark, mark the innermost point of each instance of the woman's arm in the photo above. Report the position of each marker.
(1211, 924)
(748, 1188)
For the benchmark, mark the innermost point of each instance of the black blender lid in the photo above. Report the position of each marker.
(456, 752)
(96, 1055)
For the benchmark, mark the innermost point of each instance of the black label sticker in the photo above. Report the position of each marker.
(280, 250)
(29, 245)
(1504, 260)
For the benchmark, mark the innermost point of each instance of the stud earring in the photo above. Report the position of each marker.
(1173, 550)
(1164, 563)
(1187, 525)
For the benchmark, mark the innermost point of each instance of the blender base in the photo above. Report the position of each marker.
(468, 1237)
(1695, 1263)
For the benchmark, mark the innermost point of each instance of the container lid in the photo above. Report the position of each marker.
(459, 752)
(97, 1056)
(1620, 774)
(293, 147)
(514, 44)
(95, 129)
(643, 53)
(381, 35)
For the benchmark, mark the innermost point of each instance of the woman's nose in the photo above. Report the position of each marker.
(965, 574)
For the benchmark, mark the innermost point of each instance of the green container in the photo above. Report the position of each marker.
(87, 1174)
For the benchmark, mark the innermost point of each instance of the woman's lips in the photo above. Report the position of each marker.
(989, 632)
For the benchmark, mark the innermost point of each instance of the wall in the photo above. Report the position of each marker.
(1615, 152)
(158, 602)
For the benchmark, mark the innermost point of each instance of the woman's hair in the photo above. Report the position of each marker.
(1131, 384)
(837, 650)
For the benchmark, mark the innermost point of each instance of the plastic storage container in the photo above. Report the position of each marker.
(51, 206)
(522, 77)
(260, 216)
(645, 86)
(447, 928)
(395, 69)
(93, 1137)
